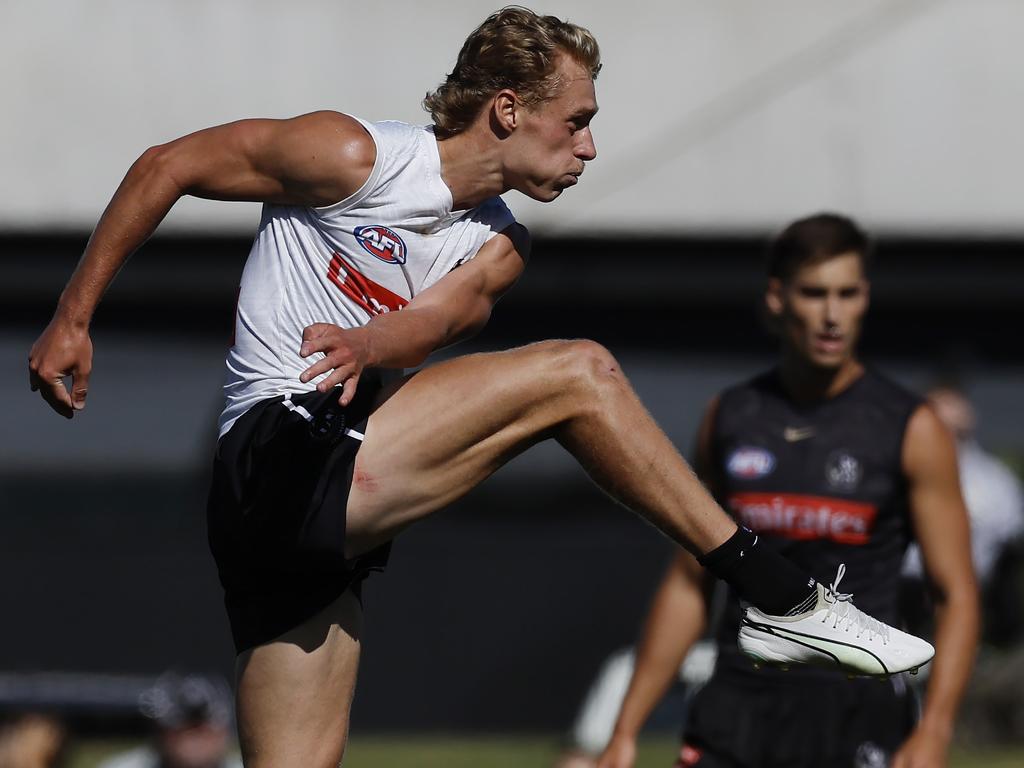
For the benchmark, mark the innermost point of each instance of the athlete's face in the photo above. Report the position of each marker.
(552, 141)
(820, 309)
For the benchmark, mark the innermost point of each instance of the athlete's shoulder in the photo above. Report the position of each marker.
(756, 388)
(327, 155)
(883, 389)
(741, 404)
(349, 133)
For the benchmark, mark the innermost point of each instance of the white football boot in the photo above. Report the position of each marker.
(833, 633)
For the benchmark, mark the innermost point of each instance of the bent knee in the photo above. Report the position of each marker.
(583, 364)
(592, 360)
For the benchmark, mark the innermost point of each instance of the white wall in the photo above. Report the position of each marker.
(716, 115)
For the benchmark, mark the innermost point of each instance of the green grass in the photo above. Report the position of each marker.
(510, 752)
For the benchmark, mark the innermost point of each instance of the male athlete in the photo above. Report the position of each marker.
(830, 464)
(379, 244)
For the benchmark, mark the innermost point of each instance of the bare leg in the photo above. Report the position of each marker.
(453, 424)
(295, 693)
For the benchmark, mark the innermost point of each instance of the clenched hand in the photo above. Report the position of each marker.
(62, 350)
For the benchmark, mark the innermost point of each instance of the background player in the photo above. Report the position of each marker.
(829, 463)
(361, 221)
(992, 492)
(191, 720)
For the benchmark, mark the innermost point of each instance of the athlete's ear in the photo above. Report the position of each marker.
(773, 302)
(506, 110)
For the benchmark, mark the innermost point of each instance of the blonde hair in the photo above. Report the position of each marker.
(514, 48)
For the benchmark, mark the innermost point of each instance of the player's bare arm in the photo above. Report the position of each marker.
(453, 309)
(677, 619)
(943, 533)
(315, 159)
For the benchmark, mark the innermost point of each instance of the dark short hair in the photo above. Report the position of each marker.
(813, 240)
(513, 48)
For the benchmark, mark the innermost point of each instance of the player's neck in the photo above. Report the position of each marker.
(471, 168)
(805, 382)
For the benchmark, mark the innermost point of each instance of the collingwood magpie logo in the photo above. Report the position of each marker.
(870, 755)
(842, 471)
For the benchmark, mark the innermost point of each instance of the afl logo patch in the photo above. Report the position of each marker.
(750, 463)
(382, 242)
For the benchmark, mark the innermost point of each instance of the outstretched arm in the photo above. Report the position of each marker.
(943, 533)
(315, 159)
(454, 308)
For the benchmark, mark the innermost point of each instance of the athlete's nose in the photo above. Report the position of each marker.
(585, 147)
(832, 310)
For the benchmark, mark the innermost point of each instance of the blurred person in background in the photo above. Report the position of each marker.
(595, 720)
(191, 717)
(362, 220)
(32, 740)
(993, 710)
(832, 464)
(992, 492)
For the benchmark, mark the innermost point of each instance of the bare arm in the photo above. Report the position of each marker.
(315, 159)
(943, 533)
(676, 621)
(454, 308)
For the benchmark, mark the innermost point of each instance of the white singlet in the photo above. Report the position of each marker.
(347, 262)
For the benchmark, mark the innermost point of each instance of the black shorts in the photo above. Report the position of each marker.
(276, 511)
(765, 721)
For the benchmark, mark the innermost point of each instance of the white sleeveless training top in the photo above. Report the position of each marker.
(347, 262)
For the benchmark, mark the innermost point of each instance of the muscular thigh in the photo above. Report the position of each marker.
(450, 426)
(294, 693)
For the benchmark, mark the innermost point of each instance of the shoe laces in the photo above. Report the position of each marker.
(846, 616)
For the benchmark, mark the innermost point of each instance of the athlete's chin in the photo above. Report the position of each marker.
(827, 356)
(544, 191)
(545, 195)
(827, 362)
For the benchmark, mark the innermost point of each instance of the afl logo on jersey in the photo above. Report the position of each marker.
(382, 242)
(749, 463)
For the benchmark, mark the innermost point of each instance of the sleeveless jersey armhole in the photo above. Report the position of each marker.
(494, 214)
(371, 182)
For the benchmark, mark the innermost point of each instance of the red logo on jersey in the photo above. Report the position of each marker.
(805, 517)
(371, 296)
(382, 242)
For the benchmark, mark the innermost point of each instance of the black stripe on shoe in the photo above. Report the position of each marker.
(771, 631)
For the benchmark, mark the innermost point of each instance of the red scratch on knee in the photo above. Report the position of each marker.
(364, 481)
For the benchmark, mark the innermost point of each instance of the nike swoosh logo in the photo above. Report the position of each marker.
(795, 434)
